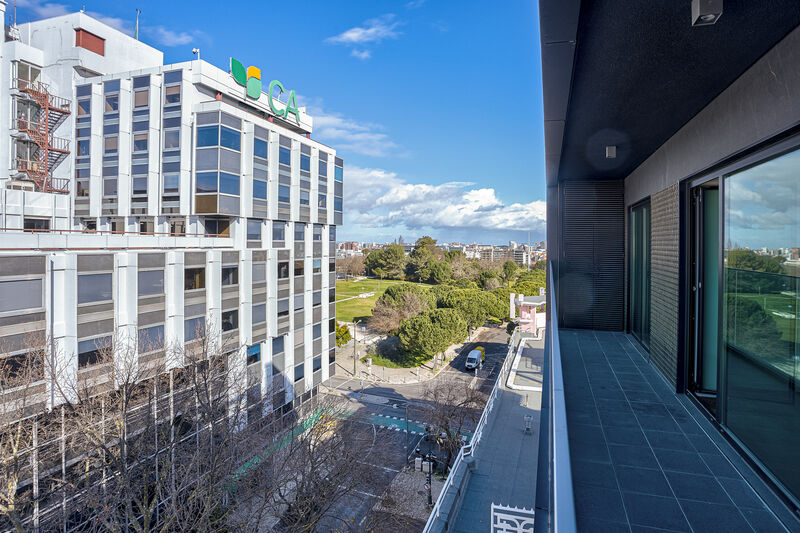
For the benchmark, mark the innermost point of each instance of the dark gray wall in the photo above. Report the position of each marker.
(764, 101)
(664, 281)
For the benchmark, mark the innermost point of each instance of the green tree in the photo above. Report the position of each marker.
(468, 304)
(485, 276)
(394, 294)
(452, 326)
(509, 271)
(342, 335)
(464, 283)
(417, 337)
(388, 262)
(441, 272)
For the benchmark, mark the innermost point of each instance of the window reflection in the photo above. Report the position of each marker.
(762, 269)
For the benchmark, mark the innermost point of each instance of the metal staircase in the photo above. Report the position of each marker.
(51, 150)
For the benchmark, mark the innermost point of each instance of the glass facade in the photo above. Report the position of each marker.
(760, 324)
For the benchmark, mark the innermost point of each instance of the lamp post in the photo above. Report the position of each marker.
(355, 332)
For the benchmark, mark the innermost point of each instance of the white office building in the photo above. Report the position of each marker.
(153, 201)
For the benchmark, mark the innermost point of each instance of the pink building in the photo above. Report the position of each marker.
(531, 311)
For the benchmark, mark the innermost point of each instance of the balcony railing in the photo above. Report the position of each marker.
(555, 501)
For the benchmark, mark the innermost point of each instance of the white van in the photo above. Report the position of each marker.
(473, 359)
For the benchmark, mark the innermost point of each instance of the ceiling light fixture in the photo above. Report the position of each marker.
(706, 12)
(611, 152)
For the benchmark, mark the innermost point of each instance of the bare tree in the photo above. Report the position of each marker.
(451, 403)
(387, 318)
(353, 265)
(22, 392)
(325, 458)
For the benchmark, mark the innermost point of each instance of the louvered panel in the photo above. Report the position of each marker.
(591, 283)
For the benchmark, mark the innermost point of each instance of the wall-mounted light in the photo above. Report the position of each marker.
(706, 12)
(611, 152)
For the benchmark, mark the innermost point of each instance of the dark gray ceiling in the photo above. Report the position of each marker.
(635, 71)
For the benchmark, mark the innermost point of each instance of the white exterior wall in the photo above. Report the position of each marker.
(51, 45)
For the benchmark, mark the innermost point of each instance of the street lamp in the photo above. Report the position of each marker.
(355, 342)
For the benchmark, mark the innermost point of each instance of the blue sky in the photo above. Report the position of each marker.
(435, 106)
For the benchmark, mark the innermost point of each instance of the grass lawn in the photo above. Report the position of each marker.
(359, 308)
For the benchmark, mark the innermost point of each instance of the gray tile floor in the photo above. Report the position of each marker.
(506, 457)
(640, 461)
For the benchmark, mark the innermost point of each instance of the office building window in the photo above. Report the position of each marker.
(284, 194)
(299, 231)
(150, 339)
(332, 265)
(259, 272)
(317, 298)
(230, 275)
(93, 351)
(150, 282)
(317, 363)
(21, 295)
(299, 267)
(94, 288)
(283, 307)
(259, 313)
(283, 270)
(253, 354)
(299, 302)
(230, 320)
(253, 229)
(194, 278)
(259, 189)
(194, 328)
(277, 345)
(332, 232)
(298, 372)
(278, 231)
(317, 266)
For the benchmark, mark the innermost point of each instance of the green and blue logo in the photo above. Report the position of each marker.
(250, 78)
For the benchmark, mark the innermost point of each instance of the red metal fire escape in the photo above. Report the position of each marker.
(51, 150)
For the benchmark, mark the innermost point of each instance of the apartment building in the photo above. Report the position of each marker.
(161, 202)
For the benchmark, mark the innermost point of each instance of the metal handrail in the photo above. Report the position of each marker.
(563, 499)
(467, 449)
(110, 232)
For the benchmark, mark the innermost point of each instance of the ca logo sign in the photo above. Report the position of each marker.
(251, 79)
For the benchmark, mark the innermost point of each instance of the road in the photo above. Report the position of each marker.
(385, 406)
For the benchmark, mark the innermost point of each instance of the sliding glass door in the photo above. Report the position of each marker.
(639, 288)
(761, 301)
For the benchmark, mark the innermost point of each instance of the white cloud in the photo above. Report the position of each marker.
(376, 198)
(414, 4)
(361, 54)
(44, 9)
(349, 134)
(166, 37)
(372, 31)
(115, 22)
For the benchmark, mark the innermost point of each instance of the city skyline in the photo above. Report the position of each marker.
(401, 175)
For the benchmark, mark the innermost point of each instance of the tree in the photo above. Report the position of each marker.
(491, 284)
(315, 464)
(353, 265)
(485, 276)
(388, 262)
(389, 313)
(342, 335)
(441, 272)
(451, 403)
(431, 332)
(509, 271)
(394, 294)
